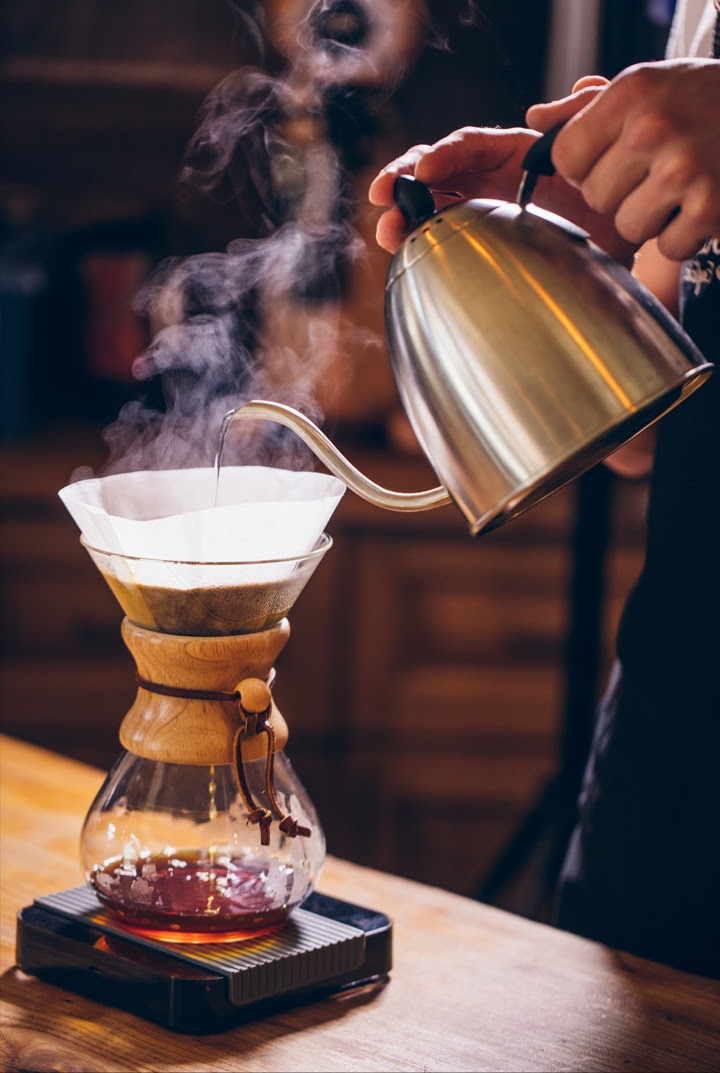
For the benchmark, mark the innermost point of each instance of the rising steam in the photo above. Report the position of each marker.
(263, 318)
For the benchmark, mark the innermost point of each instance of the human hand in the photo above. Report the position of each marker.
(472, 162)
(484, 162)
(644, 150)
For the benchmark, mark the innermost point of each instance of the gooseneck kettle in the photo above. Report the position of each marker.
(523, 354)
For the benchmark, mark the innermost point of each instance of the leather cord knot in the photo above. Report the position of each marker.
(263, 817)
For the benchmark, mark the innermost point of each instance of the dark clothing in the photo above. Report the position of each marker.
(643, 869)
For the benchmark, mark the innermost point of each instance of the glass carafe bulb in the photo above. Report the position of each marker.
(171, 849)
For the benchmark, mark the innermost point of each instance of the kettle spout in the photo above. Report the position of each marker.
(324, 449)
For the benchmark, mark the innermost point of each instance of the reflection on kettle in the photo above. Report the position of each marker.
(523, 355)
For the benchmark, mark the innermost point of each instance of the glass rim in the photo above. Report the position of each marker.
(325, 542)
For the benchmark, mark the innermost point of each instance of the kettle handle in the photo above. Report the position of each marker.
(537, 161)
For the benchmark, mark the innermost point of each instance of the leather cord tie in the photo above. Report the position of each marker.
(188, 694)
(254, 704)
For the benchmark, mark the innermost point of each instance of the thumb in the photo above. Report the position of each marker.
(544, 117)
(589, 82)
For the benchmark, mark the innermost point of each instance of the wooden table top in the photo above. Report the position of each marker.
(472, 987)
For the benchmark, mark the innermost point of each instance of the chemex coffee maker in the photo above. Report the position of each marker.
(202, 849)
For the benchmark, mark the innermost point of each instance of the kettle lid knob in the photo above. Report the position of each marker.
(413, 199)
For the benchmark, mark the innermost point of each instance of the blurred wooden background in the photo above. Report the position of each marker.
(426, 680)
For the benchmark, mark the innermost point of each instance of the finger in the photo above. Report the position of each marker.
(588, 81)
(459, 160)
(391, 230)
(429, 163)
(453, 155)
(645, 212)
(380, 191)
(544, 117)
(586, 136)
(640, 146)
(699, 218)
(679, 241)
(613, 178)
(681, 219)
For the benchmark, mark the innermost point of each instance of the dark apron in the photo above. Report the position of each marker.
(643, 867)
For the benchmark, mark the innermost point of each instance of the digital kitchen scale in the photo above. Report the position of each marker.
(326, 946)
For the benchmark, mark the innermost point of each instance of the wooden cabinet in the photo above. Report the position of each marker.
(424, 680)
(66, 678)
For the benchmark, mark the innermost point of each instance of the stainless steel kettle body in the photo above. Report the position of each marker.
(523, 354)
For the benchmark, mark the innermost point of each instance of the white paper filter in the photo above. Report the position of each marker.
(263, 514)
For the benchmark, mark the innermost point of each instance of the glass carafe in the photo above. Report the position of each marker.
(202, 830)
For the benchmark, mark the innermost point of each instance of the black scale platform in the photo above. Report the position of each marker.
(326, 946)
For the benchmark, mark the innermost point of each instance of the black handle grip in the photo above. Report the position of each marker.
(537, 159)
(413, 199)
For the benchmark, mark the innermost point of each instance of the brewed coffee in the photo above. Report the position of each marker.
(210, 611)
(199, 894)
(206, 599)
